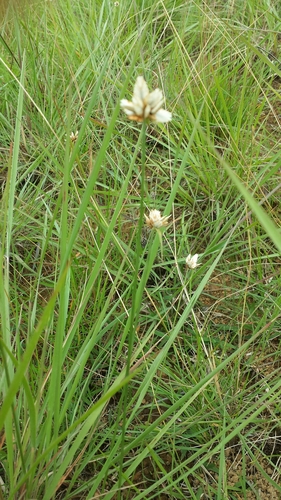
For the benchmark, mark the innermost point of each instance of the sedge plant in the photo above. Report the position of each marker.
(139, 288)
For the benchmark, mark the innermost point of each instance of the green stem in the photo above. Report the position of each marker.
(135, 308)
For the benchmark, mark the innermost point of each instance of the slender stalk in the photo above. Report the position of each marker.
(134, 313)
(135, 306)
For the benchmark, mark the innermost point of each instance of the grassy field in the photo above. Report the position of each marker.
(124, 373)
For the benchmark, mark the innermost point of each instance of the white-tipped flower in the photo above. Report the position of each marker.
(74, 137)
(191, 261)
(145, 105)
(155, 220)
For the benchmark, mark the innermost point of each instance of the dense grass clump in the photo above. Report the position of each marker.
(125, 373)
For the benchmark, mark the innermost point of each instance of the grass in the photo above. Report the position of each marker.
(125, 374)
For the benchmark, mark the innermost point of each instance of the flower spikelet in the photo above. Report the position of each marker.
(145, 104)
(74, 137)
(155, 221)
(191, 261)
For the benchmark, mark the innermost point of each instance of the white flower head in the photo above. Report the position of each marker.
(145, 104)
(74, 137)
(155, 220)
(191, 261)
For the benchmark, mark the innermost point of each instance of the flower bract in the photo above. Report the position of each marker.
(191, 261)
(154, 220)
(74, 137)
(145, 104)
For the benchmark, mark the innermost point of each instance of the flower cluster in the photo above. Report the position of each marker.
(154, 220)
(73, 137)
(191, 261)
(145, 104)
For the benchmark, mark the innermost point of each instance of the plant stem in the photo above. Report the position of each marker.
(135, 308)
